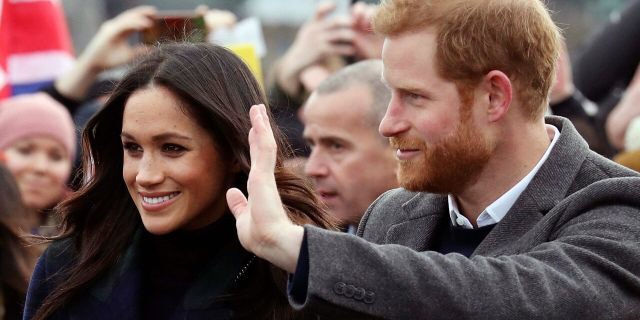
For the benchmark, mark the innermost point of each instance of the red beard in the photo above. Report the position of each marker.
(448, 166)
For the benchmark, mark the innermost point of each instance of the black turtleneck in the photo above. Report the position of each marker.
(170, 264)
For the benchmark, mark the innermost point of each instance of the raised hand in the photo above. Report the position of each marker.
(366, 43)
(108, 48)
(317, 39)
(262, 223)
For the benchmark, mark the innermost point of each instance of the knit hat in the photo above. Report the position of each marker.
(37, 114)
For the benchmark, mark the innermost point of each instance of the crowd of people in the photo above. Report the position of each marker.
(415, 159)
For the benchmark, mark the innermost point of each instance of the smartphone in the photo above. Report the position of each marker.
(176, 26)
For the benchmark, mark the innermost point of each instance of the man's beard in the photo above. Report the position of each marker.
(449, 166)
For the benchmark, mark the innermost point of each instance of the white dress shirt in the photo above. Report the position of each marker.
(499, 208)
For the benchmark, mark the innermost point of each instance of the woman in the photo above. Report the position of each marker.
(158, 241)
(37, 136)
(16, 259)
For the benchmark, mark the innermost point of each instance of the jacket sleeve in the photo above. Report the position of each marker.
(38, 289)
(589, 264)
(46, 274)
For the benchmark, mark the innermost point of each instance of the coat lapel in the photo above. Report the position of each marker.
(421, 217)
(114, 295)
(222, 272)
(549, 186)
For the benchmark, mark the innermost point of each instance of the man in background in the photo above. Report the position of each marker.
(350, 163)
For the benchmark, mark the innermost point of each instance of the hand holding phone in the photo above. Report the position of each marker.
(342, 8)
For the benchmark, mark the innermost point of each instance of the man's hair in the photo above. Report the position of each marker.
(367, 73)
(474, 37)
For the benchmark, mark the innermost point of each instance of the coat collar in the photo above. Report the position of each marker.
(547, 189)
(425, 212)
(223, 269)
(421, 217)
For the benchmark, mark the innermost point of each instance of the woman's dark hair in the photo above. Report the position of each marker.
(217, 89)
(17, 259)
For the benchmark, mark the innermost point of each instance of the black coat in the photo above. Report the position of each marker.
(116, 294)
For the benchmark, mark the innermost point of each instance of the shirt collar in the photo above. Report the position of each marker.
(499, 208)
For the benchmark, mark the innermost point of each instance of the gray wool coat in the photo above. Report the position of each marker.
(569, 248)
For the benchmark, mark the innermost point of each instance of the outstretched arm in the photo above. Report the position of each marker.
(262, 223)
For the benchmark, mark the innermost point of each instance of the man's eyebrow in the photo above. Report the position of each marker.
(332, 139)
(406, 88)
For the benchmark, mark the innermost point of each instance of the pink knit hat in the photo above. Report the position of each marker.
(37, 114)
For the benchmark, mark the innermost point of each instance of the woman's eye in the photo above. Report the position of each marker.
(173, 148)
(131, 147)
(25, 150)
(56, 156)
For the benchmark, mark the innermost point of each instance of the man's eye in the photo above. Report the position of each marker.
(337, 146)
(413, 96)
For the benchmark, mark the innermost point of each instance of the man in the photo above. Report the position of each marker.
(534, 223)
(350, 163)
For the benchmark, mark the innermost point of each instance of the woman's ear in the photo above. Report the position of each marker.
(500, 92)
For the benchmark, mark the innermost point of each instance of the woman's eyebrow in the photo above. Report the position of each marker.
(160, 137)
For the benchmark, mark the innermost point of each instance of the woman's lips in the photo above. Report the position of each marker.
(158, 201)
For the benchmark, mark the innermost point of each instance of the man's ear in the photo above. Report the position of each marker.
(500, 90)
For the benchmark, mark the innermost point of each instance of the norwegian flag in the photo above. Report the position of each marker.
(35, 46)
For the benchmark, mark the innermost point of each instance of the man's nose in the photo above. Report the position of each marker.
(316, 166)
(394, 123)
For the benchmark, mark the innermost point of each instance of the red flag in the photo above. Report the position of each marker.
(35, 44)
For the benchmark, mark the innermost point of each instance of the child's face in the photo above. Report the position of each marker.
(41, 166)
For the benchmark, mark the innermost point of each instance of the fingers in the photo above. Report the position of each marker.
(338, 23)
(216, 19)
(262, 142)
(362, 13)
(340, 35)
(343, 49)
(144, 10)
(358, 13)
(236, 201)
(136, 19)
(323, 9)
(202, 9)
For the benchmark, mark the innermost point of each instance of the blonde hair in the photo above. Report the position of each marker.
(474, 37)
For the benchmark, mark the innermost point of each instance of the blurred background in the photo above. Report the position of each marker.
(281, 18)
